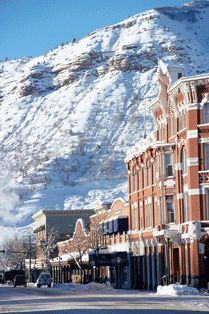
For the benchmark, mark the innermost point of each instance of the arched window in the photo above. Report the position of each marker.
(184, 160)
(139, 179)
(185, 205)
(149, 173)
(134, 180)
(154, 172)
(135, 218)
(206, 113)
(168, 164)
(182, 118)
(145, 176)
(206, 156)
(184, 186)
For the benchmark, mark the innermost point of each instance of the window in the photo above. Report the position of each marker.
(168, 164)
(185, 206)
(154, 172)
(134, 214)
(206, 113)
(161, 132)
(206, 159)
(141, 216)
(207, 204)
(149, 216)
(161, 209)
(139, 180)
(145, 177)
(134, 181)
(170, 209)
(149, 174)
(125, 275)
(159, 166)
(184, 161)
(182, 119)
(172, 126)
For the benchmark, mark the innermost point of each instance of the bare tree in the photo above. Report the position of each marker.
(95, 230)
(17, 249)
(46, 247)
(79, 246)
(95, 238)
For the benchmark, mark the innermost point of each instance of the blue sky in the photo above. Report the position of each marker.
(33, 27)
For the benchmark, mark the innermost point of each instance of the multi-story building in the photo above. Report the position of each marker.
(110, 256)
(52, 226)
(71, 262)
(168, 175)
(103, 251)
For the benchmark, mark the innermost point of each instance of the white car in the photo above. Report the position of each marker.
(44, 279)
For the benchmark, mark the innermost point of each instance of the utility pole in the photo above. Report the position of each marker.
(30, 258)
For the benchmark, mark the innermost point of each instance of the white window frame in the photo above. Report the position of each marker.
(170, 200)
(186, 206)
(206, 156)
(184, 160)
(167, 165)
(207, 203)
(206, 113)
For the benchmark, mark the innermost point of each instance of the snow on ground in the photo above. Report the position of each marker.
(67, 118)
(176, 290)
(92, 286)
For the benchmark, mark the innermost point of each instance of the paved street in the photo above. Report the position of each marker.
(57, 300)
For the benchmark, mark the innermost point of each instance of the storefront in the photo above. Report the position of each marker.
(113, 267)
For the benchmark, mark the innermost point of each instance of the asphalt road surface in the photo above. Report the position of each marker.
(58, 300)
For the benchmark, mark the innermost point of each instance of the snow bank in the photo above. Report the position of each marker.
(176, 290)
(92, 286)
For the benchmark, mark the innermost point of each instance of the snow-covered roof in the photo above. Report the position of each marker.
(66, 257)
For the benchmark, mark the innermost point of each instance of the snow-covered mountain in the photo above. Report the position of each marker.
(68, 117)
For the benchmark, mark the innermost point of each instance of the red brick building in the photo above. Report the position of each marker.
(168, 175)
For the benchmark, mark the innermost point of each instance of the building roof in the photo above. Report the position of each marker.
(143, 145)
(62, 212)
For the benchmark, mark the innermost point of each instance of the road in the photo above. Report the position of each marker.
(60, 301)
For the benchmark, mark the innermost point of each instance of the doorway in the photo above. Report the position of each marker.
(176, 269)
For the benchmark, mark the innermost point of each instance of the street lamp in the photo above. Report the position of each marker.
(60, 272)
(118, 260)
(44, 246)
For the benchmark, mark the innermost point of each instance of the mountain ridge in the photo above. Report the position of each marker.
(68, 117)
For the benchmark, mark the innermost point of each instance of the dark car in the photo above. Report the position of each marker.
(20, 281)
(10, 275)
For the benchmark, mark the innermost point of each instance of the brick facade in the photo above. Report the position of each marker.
(168, 178)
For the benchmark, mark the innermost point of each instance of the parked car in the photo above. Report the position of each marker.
(20, 280)
(10, 275)
(44, 279)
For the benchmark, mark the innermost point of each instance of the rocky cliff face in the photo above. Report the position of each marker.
(68, 117)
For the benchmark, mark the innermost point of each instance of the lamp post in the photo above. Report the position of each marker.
(44, 246)
(60, 273)
(118, 260)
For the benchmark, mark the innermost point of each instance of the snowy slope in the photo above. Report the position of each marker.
(68, 117)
